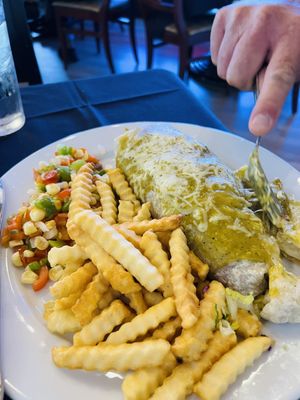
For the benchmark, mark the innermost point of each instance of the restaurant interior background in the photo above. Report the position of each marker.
(44, 55)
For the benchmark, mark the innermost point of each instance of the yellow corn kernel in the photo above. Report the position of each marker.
(51, 224)
(56, 273)
(29, 228)
(28, 277)
(36, 214)
(52, 189)
(28, 253)
(16, 259)
(41, 243)
(15, 243)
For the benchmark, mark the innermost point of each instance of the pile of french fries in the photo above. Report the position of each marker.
(136, 299)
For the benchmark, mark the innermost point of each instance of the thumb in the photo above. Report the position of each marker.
(278, 78)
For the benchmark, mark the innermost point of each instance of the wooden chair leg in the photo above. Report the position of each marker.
(132, 38)
(62, 39)
(149, 40)
(183, 59)
(106, 42)
(295, 96)
(97, 30)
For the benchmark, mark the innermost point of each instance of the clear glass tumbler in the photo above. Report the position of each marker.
(11, 110)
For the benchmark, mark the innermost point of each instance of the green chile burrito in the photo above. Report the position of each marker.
(179, 175)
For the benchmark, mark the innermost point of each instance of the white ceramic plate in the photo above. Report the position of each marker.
(26, 344)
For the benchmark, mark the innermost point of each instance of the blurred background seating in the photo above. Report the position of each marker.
(167, 34)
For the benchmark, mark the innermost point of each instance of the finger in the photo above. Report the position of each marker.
(248, 56)
(226, 50)
(216, 35)
(279, 77)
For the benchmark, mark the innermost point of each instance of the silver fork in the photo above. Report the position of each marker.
(268, 200)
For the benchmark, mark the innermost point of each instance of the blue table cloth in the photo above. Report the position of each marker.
(54, 111)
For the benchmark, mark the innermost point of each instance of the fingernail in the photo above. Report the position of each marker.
(261, 123)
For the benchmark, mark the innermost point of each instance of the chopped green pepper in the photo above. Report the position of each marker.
(102, 172)
(40, 187)
(64, 173)
(46, 204)
(56, 243)
(64, 150)
(44, 261)
(65, 206)
(34, 266)
(76, 165)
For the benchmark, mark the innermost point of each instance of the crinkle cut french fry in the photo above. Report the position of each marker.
(198, 266)
(164, 238)
(107, 299)
(153, 250)
(180, 383)
(87, 304)
(66, 255)
(81, 194)
(104, 357)
(69, 269)
(48, 309)
(142, 323)
(107, 199)
(125, 211)
(162, 224)
(152, 298)
(225, 371)
(120, 249)
(187, 303)
(193, 341)
(120, 279)
(137, 302)
(63, 321)
(74, 282)
(140, 384)
(144, 213)
(102, 324)
(121, 186)
(169, 330)
(129, 235)
(67, 302)
(248, 324)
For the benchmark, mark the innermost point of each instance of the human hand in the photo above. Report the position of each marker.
(247, 35)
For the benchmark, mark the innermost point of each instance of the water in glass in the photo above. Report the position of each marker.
(11, 110)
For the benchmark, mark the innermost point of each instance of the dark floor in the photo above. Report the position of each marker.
(230, 106)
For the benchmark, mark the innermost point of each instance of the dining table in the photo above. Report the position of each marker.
(56, 110)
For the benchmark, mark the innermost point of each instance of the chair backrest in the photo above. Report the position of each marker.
(174, 7)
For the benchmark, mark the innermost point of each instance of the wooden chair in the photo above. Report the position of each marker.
(176, 30)
(100, 12)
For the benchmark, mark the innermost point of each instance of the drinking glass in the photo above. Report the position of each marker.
(11, 110)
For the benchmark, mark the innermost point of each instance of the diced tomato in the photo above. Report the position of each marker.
(50, 177)
(92, 159)
(5, 237)
(66, 162)
(61, 219)
(26, 216)
(15, 222)
(42, 279)
(64, 194)
(17, 235)
(39, 254)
